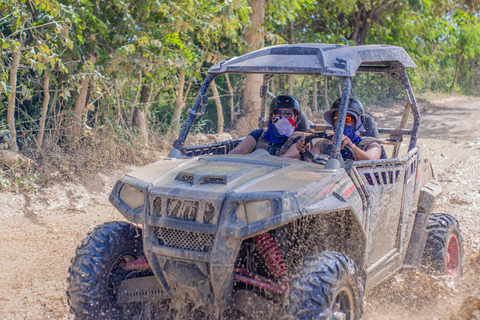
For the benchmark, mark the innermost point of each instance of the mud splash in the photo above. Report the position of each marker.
(420, 296)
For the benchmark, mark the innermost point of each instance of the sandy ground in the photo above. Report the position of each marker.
(39, 233)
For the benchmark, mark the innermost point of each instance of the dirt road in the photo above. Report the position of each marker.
(39, 233)
(450, 139)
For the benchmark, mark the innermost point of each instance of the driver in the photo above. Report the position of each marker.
(364, 148)
(279, 136)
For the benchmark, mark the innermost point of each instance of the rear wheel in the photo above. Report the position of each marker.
(95, 272)
(326, 287)
(443, 252)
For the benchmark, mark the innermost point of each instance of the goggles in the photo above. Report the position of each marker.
(348, 119)
(285, 113)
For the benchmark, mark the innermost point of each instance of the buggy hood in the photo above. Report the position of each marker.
(219, 180)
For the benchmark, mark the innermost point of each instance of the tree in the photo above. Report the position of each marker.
(80, 104)
(218, 104)
(254, 36)
(43, 118)
(12, 82)
(264, 16)
(367, 13)
(464, 38)
(179, 101)
(23, 36)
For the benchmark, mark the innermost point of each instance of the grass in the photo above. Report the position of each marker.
(63, 159)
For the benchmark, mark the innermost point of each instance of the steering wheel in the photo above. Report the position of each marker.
(319, 159)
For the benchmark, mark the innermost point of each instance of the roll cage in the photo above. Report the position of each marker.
(313, 60)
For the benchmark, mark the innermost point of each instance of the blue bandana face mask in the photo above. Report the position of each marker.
(273, 135)
(349, 131)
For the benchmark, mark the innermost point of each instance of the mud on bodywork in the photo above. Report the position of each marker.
(197, 213)
(215, 224)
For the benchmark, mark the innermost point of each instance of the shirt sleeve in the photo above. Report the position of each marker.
(256, 134)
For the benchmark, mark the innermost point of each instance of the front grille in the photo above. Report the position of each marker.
(157, 206)
(182, 209)
(187, 240)
(209, 212)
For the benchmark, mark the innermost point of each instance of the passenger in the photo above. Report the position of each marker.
(278, 137)
(364, 148)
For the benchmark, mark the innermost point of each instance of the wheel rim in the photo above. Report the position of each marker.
(453, 256)
(343, 306)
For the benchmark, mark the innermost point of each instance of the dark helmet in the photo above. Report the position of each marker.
(355, 108)
(285, 101)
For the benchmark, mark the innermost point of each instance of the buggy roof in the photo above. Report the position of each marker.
(318, 58)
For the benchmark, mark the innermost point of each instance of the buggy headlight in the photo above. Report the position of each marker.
(133, 197)
(254, 211)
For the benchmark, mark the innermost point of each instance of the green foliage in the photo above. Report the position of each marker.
(144, 44)
(439, 44)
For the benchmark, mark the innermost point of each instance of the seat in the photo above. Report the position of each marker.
(371, 130)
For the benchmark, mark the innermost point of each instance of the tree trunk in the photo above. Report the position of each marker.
(314, 97)
(281, 84)
(150, 94)
(271, 86)
(290, 84)
(43, 118)
(140, 118)
(218, 103)
(456, 69)
(119, 105)
(12, 82)
(254, 36)
(134, 103)
(364, 18)
(290, 77)
(232, 103)
(325, 93)
(53, 109)
(179, 102)
(82, 99)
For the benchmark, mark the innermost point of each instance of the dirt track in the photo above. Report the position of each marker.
(39, 234)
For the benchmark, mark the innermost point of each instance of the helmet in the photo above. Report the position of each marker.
(284, 101)
(354, 108)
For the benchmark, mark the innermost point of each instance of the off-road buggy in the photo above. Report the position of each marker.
(305, 237)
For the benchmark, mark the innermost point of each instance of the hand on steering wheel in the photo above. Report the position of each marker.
(306, 153)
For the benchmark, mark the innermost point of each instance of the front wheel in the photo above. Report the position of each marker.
(327, 286)
(95, 272)
(443, 252)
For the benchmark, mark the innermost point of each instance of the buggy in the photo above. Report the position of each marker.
(307, 238)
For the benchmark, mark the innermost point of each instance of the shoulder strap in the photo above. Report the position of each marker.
(289, 142)
(363, 144)
(262, 143)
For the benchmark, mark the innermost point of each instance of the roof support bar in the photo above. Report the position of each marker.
(264, 95)
(342, 114)
(177, 145)
(402, 78)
